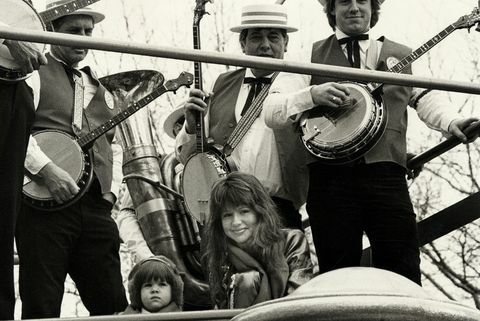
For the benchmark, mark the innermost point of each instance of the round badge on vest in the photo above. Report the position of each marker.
(391, 62)
(109, 100)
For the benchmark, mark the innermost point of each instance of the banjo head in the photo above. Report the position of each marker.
(65, 152)
(343, 134)
(201, 171)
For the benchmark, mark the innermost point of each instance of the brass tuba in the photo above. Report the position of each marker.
(162, 218)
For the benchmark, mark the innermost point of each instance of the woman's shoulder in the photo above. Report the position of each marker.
(293, 238)
(293, 233)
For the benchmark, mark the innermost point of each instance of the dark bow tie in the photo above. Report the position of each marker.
(255, 80)
(353, 48)
(353, 38)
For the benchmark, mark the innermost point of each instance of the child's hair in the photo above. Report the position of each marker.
(155, 268)
(240, 189)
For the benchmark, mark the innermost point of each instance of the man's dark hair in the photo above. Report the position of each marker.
(330, 6)
(244, 33)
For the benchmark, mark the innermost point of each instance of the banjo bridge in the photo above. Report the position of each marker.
(308, 137)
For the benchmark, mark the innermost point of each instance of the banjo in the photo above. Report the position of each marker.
(343, 134)
(74, 155)
(204, 167)
(20, 14)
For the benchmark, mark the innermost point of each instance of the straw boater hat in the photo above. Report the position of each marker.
(324, 2)
(96, 15)
(264, 16)
(170, 121)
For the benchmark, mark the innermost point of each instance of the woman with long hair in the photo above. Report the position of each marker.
(249, 257)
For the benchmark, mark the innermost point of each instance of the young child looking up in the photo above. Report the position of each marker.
(155, 285)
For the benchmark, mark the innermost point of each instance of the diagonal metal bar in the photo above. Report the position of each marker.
(449, 219)
(237, 60)
(420, 159)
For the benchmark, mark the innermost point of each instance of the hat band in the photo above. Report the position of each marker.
(264, 22)
(263, 17)
(264, 13)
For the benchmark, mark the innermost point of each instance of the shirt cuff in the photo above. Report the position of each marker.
(35, 159)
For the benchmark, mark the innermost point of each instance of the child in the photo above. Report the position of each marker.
(155, 285)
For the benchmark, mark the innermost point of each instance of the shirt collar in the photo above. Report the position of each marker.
(364, 44)
(249, 73)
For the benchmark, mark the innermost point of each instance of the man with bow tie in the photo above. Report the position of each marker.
(263, 152)
(369, 194)
(81, 239)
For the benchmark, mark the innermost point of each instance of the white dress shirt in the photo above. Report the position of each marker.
(257, 153)
(290, 95)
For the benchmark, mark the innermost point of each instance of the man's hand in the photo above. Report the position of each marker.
(26, 55)
(330, 94)
(59, 183)
(457, 127)
(194, 105)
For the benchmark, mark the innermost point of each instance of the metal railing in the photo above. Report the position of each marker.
(337, 72)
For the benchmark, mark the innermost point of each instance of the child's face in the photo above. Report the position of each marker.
(239, 223)
(155, 295)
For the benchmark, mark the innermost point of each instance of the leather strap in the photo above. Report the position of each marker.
(247, 120)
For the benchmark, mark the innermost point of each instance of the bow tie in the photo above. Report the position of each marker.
(352, 39)
(255, 80)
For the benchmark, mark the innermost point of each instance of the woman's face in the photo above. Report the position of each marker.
(239, 223)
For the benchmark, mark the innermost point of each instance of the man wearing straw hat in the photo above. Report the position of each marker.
(262, 152)
(16, 116)
(81, 239)
(370, 194)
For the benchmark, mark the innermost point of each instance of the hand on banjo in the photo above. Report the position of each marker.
(26, 54)
(330, 94)
(194, 105)
(58, 182)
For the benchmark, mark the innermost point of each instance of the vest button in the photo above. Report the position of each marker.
(230, 125)
(95, 149)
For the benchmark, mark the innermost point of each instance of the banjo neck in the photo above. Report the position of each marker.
(466, 21)
(199, 12)
(54, 13)
(185, 79)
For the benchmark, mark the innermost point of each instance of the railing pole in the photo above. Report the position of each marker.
(334, 72)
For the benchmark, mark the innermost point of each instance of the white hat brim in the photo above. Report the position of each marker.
(170, 121)
(263, 26)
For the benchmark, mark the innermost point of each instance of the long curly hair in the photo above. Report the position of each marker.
(156, 268)
(330, 6)
(240, 189)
